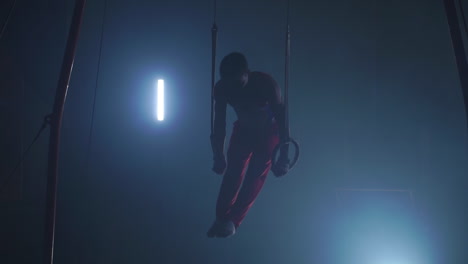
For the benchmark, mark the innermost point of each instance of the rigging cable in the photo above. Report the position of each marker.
(462, 12)
(214, 36)
(8, 19)
(10, 176)
(90, 134)
(44, 123)
(286, 73)
(93, 111)
(287, 140)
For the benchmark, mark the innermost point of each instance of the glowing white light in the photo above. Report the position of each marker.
(160, 100)
(380, 226)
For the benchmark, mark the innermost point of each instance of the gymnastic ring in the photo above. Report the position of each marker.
(278, 147)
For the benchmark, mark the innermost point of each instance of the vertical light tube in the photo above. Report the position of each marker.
(160, 100)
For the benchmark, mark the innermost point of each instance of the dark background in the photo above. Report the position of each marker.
(375, 102)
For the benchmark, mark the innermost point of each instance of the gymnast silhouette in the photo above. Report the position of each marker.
(260, 125)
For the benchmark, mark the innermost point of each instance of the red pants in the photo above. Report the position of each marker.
(248, 163)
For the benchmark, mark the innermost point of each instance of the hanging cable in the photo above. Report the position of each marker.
(462, 12)
(214, 37)
(8, 19)
(86, 169)
(286, 72)
(287, 139)
(90, 135)
(10, 176)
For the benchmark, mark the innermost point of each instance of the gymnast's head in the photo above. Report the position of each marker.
(234, 68)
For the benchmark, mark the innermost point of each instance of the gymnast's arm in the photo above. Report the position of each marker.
(274, 99)
(219, 131)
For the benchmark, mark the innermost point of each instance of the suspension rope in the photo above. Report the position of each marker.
(286, 73)
(215, 7)
(214, 36)
(284, 144)
(91, 128)
(462, 12)
(10, 176)
(8, 19)
(90, 135)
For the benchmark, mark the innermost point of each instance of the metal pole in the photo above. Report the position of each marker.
(55, 124)
(458, 48)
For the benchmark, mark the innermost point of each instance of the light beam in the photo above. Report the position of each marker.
(160, 100)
